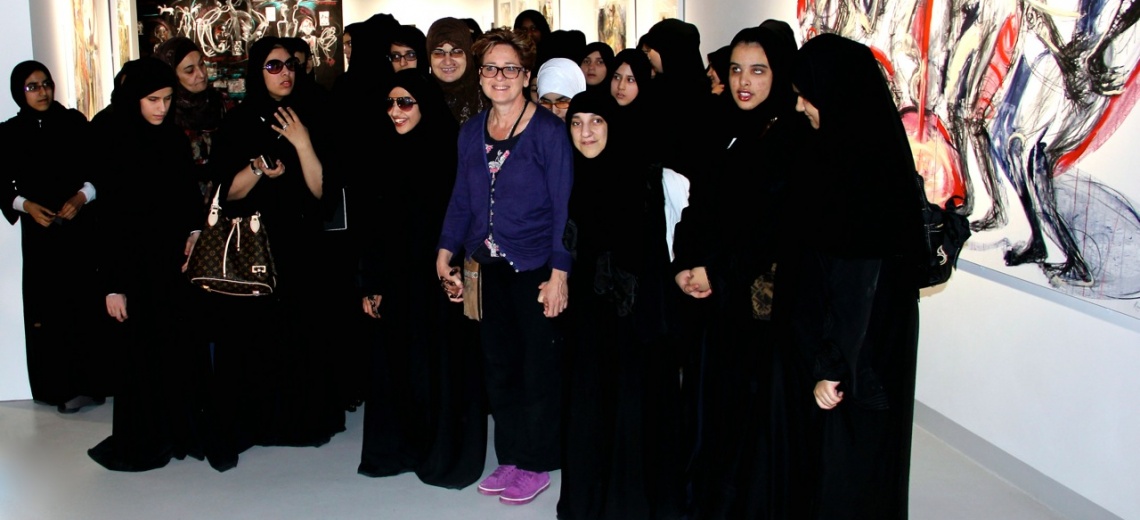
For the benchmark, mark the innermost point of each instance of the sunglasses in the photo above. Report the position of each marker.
(403, 102)
(276, 66)
(46, 85)
(561, 105)
(509, 72)
(407, 56)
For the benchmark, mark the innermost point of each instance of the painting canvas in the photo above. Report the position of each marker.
(123, 34)
(1004, 102)
(507, 10)
(88, 81)
(613, 24)
(225, 29)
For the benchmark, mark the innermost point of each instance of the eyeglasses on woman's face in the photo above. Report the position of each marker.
(561, 104)
(404, 102)
(407, 56)
(46, 84)
(442, 53)
(276, 66)
(509, 71)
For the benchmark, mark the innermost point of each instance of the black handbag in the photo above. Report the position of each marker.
(232, 255)
(944, 232)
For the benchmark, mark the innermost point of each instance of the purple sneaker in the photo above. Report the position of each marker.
(498, 480)
(526, 486)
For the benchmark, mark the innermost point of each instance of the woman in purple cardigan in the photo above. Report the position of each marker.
(508, 211)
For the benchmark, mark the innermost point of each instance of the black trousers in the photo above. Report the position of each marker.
(523, 353)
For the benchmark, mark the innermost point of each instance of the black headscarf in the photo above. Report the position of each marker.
(560, 44)
(144, 77)
(436, 127)
(862, 180)
(718, 60)
(607, 54)
(201, 111)
(411, 36)
(780, 48)
(20, 74)
(538, 20)
(681, 88)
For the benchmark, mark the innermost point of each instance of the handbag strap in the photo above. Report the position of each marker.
(215, 209)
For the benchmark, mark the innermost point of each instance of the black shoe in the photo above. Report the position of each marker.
(77, 403)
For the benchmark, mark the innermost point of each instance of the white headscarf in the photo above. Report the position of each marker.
(560, 76)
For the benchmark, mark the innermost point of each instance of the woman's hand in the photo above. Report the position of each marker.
(71, 208)
(553, 294)
(694, 282)
(273, 172)
(117, 306)
(40, 214)
(190, 241)
(290, 126)
(450, 279)
(827, 396)
(372, 305)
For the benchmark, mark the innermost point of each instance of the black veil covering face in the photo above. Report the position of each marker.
(865, 170)
(848, 291)
(425, 403)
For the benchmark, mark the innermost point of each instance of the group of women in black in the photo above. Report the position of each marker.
(695, 305)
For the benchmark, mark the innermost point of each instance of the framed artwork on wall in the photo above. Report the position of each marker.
(88, 80)
(616, 24)
(650, 12)
(507, 10)
(224, 29)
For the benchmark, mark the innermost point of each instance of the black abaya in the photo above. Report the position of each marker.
(47, 164)
(424, 409)
(151, 206)
(623, 418)
(853, 303)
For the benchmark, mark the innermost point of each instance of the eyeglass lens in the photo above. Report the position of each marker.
(32, 87)
(509, 72)
(402, 102)
(275, 66)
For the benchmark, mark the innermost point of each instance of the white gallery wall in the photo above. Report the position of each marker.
(16, 40)
(1042, 377)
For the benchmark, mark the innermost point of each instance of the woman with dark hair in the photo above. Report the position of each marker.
(516, 158)
(851, 297)
(425, 405)
(622, 457)
(598, 66)
(141, 271)
(409, 50)
(534, 24)
(273, 379)
(752, 402)
(49, 188)
(453, 65)
(198, 106)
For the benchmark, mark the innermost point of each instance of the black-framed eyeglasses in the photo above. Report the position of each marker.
(407, 56)
(276, 66)
(560, 104)
(46, 85)
(443, 53)
(509, 72)
(404, 102)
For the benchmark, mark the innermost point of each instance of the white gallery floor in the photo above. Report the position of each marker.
(45, 475)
